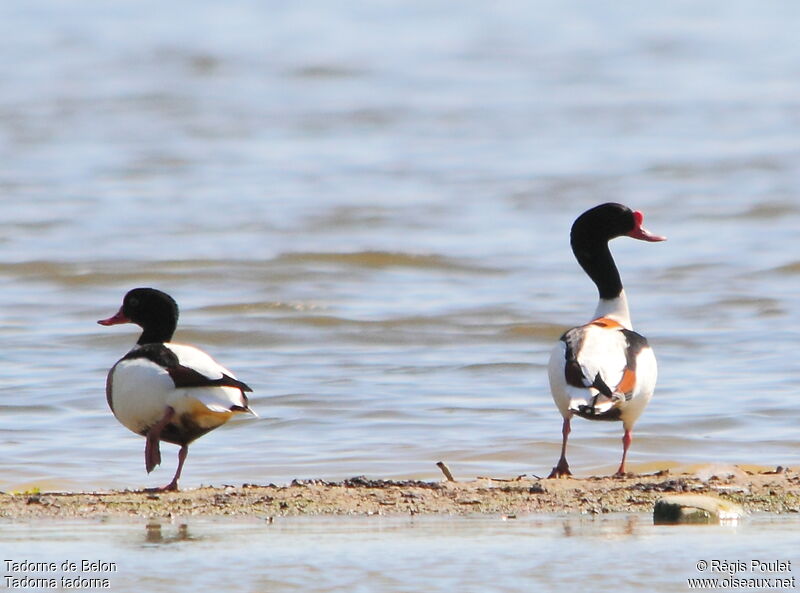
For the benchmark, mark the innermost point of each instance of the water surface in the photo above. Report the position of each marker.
(363, 210)
(614, 553)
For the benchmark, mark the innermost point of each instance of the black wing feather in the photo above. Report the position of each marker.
(182, 376)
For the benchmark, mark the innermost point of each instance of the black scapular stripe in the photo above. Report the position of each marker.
(636, 343)
(572, 370)
(182, 376)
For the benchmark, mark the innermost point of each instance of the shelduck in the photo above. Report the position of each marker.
(603, 370)
(165, 391)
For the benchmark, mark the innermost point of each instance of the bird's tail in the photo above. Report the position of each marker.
(244, 410)
(590, 403)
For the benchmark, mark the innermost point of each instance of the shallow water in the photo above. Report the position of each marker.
(420, 554)
(363, 210)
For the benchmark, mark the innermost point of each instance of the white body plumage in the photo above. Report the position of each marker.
(603, 354)
(139, 390)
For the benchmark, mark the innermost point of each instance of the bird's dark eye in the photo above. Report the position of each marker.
(133, 302)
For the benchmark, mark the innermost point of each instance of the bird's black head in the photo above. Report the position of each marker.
(153, 310)
(589, 238)
(609, 221)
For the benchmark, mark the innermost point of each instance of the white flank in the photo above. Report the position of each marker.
(140, 390)
(558, 382)
(646, 376)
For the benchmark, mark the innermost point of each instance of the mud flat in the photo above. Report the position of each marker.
(776, 491)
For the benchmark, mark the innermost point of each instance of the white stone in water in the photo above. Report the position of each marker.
(695, 508)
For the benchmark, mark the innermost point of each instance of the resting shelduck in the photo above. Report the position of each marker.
(166, 391)
(603, 370)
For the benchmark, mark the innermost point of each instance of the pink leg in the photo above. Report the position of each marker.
(173, 485)
(562, 468)
(152, 451)
(626, 442)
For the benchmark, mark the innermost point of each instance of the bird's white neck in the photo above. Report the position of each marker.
(616, 309)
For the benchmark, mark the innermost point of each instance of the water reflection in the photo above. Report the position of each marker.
(611, 528)
(156, 533)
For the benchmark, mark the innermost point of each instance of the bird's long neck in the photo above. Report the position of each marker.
(157, 333)
(616, 309)
(596, 260)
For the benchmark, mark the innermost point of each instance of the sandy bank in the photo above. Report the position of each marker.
(775, 492)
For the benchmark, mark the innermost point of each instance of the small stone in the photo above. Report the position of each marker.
(694, 508)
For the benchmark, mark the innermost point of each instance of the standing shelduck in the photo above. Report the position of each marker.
(603, 370)
(165, 391)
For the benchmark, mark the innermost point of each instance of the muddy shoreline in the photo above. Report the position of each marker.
(776, 491)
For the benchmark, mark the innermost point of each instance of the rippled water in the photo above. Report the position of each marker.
(478, 554)
(363, 209)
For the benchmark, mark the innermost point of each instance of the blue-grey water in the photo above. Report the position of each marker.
(363, 210)
(614, 553)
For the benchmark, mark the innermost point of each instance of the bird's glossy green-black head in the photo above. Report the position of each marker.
(153, 310)
(589, 238)
(609, 221)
